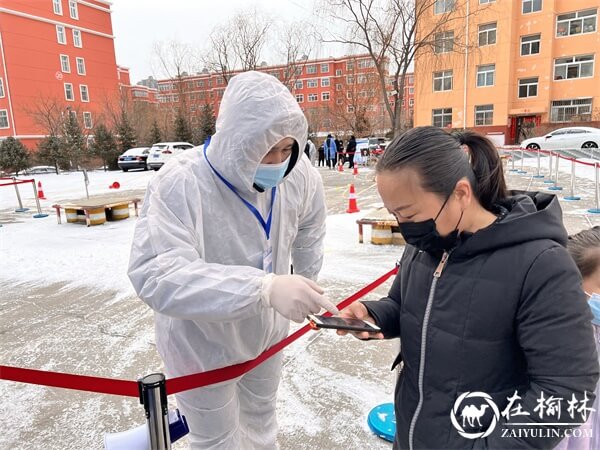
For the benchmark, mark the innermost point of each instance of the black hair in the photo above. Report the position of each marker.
(441, 159)
(584, 248)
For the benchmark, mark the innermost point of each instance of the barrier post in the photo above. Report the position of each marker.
(512, 161)
(538, 166)
(20, 208)
(153, 395)
(572, 197)
(39, 215)
(596, 210)
(549, 180)
(522, 171)
(556, 187)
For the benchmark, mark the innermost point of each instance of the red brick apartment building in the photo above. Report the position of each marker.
(55, 54)
(332, 92)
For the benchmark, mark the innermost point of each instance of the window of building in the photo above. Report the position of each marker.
(300, 98)
(484, 115)
(349, 79)
(441, 117)
(57, 6)
(349, 95)
(324, 82)
(199, 83)
(411, 90)
(65, 64)
(411, 102)
(443, 6)
(338, 73)
(73, 9)
(349, 65)
(362, 94)
(361, 79)
(338, 87)
(1, 88)
(77, 38)
(140, 94)
(569, 110)
(299, 84)
(442, 81)
(579, 22)
(574, 67)
(444, 42)
(87, 120)
(350, 108)
(312, 83)
(313, 97)
(487, 34)
(339, 101)
(530, 45)
(85, 95)
(325, 96)
(482, 2)
(311, 69)
(530, 6)
(80, 66)
(325, 68)
(69, 92)
(486, 75)
(366, 63)
(298, 71)
(528, 87)
(3, 118)
(61, 36)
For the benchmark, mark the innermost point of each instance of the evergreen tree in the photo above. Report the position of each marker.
(207, 122)
(182, 129)
(155, 133)
(52, 151)
(105, 147)
(74, 141)
(126, 137)
(14, 157)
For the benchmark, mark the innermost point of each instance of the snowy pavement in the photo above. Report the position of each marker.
(66, 305)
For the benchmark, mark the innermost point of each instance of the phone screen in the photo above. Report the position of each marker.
(343, 323)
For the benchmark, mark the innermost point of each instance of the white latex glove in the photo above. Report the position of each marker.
(294, 297)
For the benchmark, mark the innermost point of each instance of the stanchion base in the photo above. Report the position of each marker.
(549, 181)
(538, 176)
(594, 211)
(21, 209)
(521, 172)
(382, 421)
(572, 198)
(513, 170)
(555, 188)
(39, 216)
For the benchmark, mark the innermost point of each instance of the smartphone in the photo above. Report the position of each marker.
(342, 323)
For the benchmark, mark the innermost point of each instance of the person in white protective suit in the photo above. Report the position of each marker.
(211, 256)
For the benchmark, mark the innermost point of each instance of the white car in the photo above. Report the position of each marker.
(39, 170)
(161, 152)
(565, 138)
(134, 158)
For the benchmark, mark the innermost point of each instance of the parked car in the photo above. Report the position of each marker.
(39, 170)
(161, 152)
(134, 158)
(377, 145)
(565, 138)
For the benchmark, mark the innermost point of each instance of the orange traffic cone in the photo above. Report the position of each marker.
(340, 167)
(352, 206)
(41, 191)
(355, 171)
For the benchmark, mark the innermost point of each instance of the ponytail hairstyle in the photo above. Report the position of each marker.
(584, 248)
(441, 159)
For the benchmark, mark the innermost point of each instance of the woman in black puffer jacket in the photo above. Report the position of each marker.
(487, 300)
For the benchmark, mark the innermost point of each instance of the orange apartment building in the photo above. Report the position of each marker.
(330, 92)
(55, 51)
(526, 61)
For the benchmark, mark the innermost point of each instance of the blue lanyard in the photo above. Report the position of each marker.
(266, 225)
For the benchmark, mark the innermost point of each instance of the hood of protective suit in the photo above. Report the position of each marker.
(257, 111)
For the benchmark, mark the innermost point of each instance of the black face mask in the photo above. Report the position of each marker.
(425, 237)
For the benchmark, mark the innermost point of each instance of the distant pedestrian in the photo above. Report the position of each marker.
(351, 151)
(312, 152)
(330, 149)
(321, 156)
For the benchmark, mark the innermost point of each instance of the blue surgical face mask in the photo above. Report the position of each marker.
(594, 302)
(269, 175)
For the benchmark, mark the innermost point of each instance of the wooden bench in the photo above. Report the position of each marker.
(95, 211)
(384, 228)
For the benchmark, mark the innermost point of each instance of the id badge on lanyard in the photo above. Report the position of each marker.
(268, 258)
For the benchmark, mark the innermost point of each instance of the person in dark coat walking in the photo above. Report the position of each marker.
(487, 303)
(321, 155)
(350, 151)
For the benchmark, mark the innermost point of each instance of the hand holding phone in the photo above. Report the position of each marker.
(341, 323)
(358, 311)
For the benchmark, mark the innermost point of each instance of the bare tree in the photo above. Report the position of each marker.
(221, 58)
(295, 43)
(392, 31)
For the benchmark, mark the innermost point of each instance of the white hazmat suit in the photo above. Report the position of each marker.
(197, 261)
